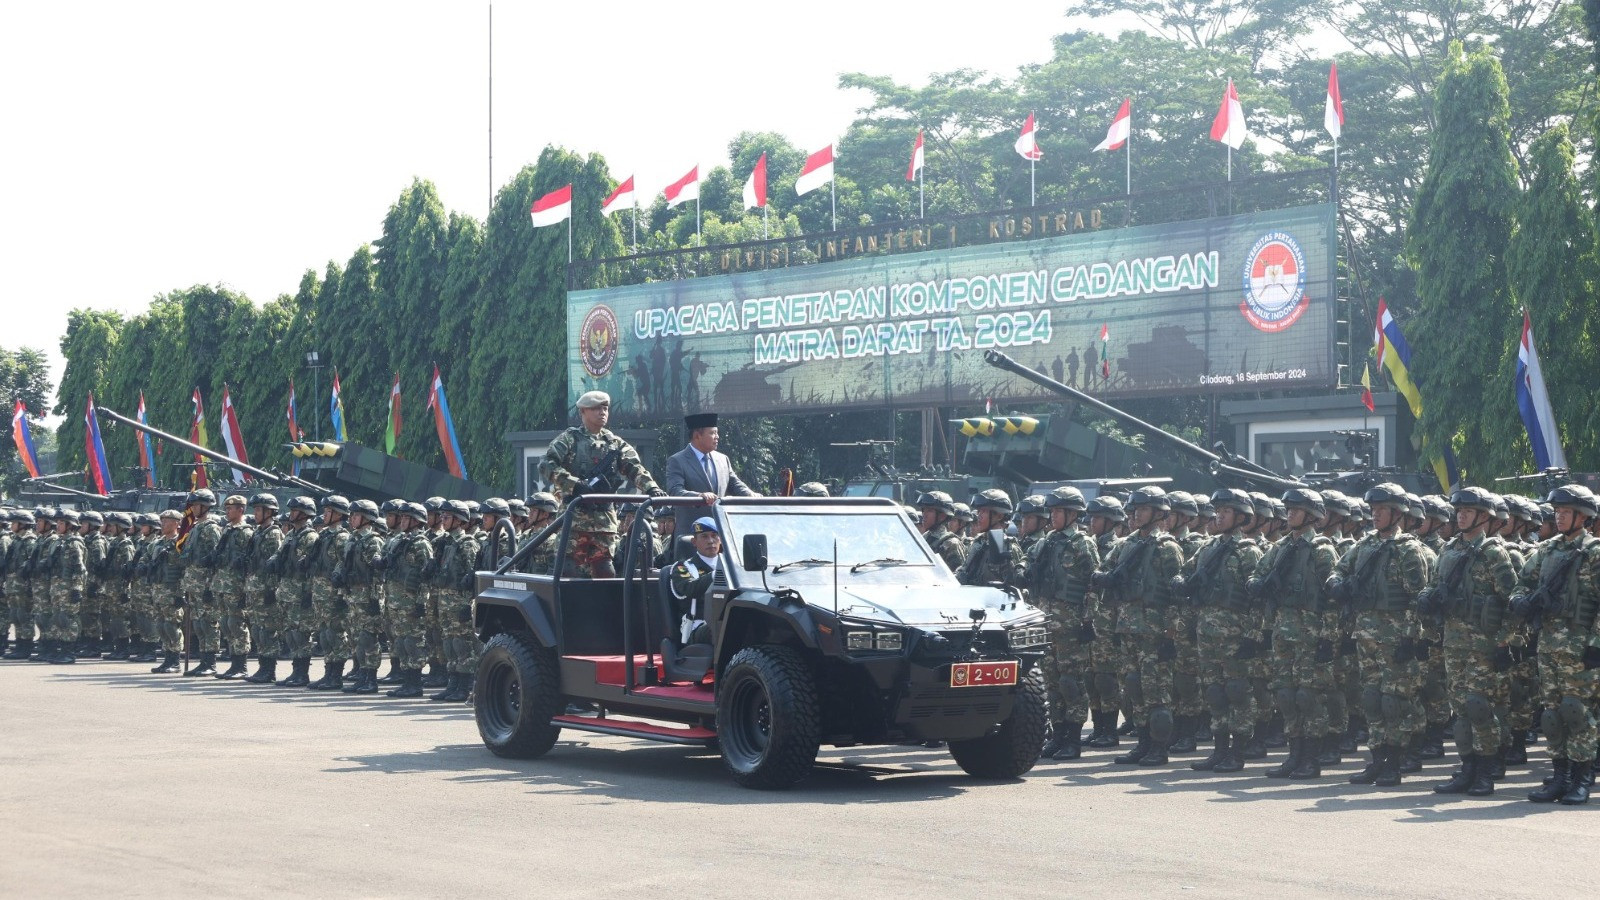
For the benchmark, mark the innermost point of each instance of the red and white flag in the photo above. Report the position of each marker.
(1228, 126)
(817, 171)
(916, 159)
(684, 189)
(620, 199)
(755, 187)
(1027, 144)
(1333, 109)
(552, 208)
(232, 437)
(1121, 127)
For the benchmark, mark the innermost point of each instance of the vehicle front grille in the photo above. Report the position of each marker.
(935, 702)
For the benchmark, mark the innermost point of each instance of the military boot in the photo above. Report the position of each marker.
(206, 666)
(266, 672)
(1071, 746)
(1389, 775)
(1290, 762)
(1105, 730)
(1202, 728)
(1431, 746)
(1408, 756)
(142, 652)
(1494, 765)
(1482, 782)
(332, 679)
(1330, 755)
(238, 667)
(1057, 730)
(44, 649)
(1221, 743)
(169, 664)
(1127, 729)
(357, 678)
(1182, 734)
(1463, 778)
(1132, 757)
(117, 649)
(1232, 761)
(22, 650)
(368, 683)
(1558, 786)
(1310, 767)
(1272, 735)
(1579, 784)
(410, 685)
(1348, 743)
(1369, 775)
(393, 675)
(65, 654)
(435, 677)
(455, 690)
(300, 676)
(1516, 754)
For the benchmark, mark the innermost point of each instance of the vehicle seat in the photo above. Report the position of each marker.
(691, 662)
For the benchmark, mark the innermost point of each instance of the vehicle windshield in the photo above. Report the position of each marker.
(862, 537)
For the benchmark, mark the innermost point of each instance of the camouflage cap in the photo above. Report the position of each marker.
(170, 515)
(234, 500)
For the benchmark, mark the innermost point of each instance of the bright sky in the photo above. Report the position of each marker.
(156, 145)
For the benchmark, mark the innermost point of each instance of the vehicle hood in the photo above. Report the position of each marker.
(938, 606)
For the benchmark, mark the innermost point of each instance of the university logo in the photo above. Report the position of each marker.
(1275, 283)
(598, 341)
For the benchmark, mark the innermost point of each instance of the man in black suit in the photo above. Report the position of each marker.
(698, 470)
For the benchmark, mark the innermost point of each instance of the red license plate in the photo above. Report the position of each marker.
(982, 674)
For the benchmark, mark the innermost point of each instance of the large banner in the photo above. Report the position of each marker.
(1236, 303)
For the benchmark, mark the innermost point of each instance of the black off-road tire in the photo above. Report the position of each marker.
(768, 720)
(1012, 749)
(518, 690)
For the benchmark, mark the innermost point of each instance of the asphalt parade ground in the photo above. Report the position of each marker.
(118, 782)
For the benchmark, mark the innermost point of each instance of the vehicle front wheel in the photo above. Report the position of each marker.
(1010, 750)
(767, 717)
(518, 691)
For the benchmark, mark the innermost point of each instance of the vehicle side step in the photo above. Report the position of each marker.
(692, 735)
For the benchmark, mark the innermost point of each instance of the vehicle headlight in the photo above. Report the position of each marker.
(858, 640)
(869, 639)
(1028, 636)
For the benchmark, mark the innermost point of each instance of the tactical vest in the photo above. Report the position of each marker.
(1054, 581)
(1223, 590)
(1145, 587)
(1298, 588)
(1577, 607)
(1378, 592)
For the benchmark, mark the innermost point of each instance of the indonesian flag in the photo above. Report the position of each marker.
(391, 435)
(817, 172)
(1027, 144)
(232, 437)
(619, 199)
(552, 208)
(684, 189)
(916, 159)
(197, 435)
(1121, 127)
(1228, 126)
(755, 187)
(1333, 110)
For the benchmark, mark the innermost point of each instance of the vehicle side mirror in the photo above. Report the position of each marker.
(755, 553)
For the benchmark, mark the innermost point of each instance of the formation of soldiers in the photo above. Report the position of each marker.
(1314, 622)
(337, 578)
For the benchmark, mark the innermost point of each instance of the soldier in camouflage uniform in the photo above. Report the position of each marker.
(408, 559)
(588, 458)
(1432, 527)
(1186, 706)
(1291, 578)
(19, 589)
(115, 586)
(1559, 589)
(1226, 626)
(936, 514)
(1343, 701)
(1137, 579)
(1522, 679)
(39, 570)
(1059, 570)
(165, 577)
(1467, 593)
(68, 579)
(92, 611)
(7, 538)
(228, 585)
(328, 599)
(198, 557)
(1031, 519)
(142, 589)
(291, 566)
(454, 586)
(262, 608)
(1105, 693)
(542, 509)
(1376, 584)
(986, 562)
(440, 538)
(359, 575)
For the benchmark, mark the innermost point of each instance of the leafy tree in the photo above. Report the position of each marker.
(25, 376)
(90, 340)
(412, 258)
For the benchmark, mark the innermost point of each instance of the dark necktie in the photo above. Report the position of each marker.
(705, 460)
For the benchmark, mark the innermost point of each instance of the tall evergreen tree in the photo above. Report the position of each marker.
(88, 345)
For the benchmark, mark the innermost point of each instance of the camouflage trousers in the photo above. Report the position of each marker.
(1146, 680)
(1186, 699)
(1435, 681)
(1343, 699)
(205, 622)
(19, 607)
(1479, 695)
(461, 643)
(267, 621)
(1299, 683)
(299, 619)
(235, 626)
(1389, 690)
(1524, 685)
(591, 554)
(169, 617)
(1568, 691)
(1105, 690)
(406, 621)
(1066, 674)
(91, 613)
(333, 614)
(117, 612)
(1224, 678)
(60, 620)
(142, 619)
(366, 626)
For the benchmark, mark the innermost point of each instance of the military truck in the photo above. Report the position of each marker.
(831, 623)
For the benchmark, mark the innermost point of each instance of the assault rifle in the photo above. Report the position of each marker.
(1195, 586)
(1111, 584)
(1344, 591)
(1547, 599)
(603, 478)
(1435, 601)
(1269, 586)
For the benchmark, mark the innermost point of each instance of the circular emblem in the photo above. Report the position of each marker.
(960, 677)
(598, 341)
(1274, 283)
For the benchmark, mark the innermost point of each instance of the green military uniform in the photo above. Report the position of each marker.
(232, 557)
(93, 611)
(40, 568)
(267, 613)
(69, 572)
(292, 566)
(407, 564)
(455, 589)
(117, 587)
(1104, 651)
(198, 557)
(579, 461)
(6, 541)
(18, 584)
(359, 575)
(142, 591)
(165, 576)
(1059, 571)
(329, 600)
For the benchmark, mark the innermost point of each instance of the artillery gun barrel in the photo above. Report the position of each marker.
(1216, 464)
(64, 491)
(263, 474)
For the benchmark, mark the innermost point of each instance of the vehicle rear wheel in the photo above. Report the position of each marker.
(767, 717)
(518, 691)
(1012, 749)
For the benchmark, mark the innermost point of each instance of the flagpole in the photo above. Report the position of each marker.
(1031, 201)
(697, 208)
(569, 237)
(833, 204)
(922, 183)
(636, 225)
(1128, 177)
(763, 221)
